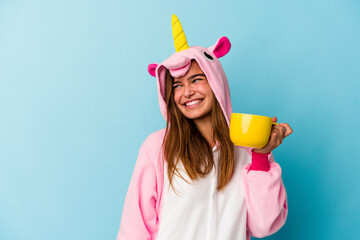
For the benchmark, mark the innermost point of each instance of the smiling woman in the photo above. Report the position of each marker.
(190, 181)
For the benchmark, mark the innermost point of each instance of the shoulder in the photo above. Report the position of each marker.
(155, 139)
(153, 143)
(157, 135)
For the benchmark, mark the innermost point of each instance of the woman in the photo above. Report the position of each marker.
(190, 181)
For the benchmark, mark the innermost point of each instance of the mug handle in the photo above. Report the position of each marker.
(275, 123)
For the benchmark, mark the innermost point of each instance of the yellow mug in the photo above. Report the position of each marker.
(250, 130)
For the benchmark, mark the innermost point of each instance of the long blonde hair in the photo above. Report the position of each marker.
(183, 142)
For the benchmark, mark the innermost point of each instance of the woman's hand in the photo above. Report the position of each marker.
(278, 133)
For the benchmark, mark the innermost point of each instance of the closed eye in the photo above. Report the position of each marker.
(196, 80)
(193, 81)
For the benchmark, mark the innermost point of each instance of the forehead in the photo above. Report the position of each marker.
(194, 69)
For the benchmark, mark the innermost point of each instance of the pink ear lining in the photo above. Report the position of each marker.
(222, 47)
(152, 68)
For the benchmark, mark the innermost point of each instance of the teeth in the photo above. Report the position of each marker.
(192, 102)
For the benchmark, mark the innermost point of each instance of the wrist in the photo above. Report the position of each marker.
(260, 151)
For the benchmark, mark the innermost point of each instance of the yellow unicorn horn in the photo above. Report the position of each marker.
(178, 34)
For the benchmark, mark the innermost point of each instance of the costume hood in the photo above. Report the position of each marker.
(208, 59)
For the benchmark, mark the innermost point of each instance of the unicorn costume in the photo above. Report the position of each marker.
(254, 203)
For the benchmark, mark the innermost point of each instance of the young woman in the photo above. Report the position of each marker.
(190, 181)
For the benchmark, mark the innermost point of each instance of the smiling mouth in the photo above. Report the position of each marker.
(193, 103)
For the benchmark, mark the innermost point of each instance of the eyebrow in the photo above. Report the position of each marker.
(192, 77)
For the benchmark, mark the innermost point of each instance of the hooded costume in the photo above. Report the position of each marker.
(254, 203)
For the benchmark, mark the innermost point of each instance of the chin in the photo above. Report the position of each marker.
(196, 115)
(192, 117)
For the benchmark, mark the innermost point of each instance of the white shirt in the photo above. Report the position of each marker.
(200, 212)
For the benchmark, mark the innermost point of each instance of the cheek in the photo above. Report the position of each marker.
(177, 97)
(205, 88)
(211, 98)
(208, 92)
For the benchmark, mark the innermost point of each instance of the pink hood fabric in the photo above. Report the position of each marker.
(265, 194)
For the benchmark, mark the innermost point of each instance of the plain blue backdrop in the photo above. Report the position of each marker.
(76, 103)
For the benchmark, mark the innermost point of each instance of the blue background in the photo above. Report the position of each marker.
(76, 102)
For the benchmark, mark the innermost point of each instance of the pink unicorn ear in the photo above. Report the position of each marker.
(221, 48)
(152, 68)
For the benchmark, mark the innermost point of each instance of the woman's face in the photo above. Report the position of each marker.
(192, 93)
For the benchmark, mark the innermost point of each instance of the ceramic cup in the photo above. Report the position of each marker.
(250, 130)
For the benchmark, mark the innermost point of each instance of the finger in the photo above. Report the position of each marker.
(288, 129)
(281, 130)
(272, 140)
(275, 140)
(276, 136)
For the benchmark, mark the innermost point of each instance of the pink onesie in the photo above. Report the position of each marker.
(254, 203)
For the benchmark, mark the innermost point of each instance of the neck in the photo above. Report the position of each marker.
(205, 126)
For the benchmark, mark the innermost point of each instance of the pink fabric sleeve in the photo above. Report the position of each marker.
(139, 219)
(265, 195)
(259, 161)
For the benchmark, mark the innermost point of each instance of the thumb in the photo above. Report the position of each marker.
(274, 119)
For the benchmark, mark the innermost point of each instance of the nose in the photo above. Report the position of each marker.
(188, 91)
